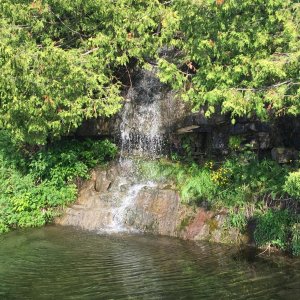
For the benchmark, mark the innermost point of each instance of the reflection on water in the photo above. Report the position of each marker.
(63, 263)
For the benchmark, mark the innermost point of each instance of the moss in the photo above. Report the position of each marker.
(185, 222)
(213, 225)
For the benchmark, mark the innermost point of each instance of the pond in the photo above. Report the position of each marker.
(63, 263)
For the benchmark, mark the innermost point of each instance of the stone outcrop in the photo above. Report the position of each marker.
(213, 136)
(155, 209)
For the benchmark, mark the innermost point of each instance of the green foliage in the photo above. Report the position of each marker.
(234, 142)
(241, 55)
(197, 185)
(292, 184)
(251, 180)
(62, 162)
(194, 183)
(62, 61)
(273, 228)
(296, 238)
(237, 181)
(33, 188)
(237, 220)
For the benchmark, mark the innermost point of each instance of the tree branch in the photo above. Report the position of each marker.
(287, 82)
(90, 51)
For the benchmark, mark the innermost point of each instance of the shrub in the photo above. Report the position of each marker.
(273, 228)
(237, 220)
(33, 188)
(292, 184)
(296, 238)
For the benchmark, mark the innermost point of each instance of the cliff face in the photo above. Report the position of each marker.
(177, 125)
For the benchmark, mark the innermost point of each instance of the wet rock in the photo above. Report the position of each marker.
(118, 204)
(156, 211)
(113, 172)
(102, 184)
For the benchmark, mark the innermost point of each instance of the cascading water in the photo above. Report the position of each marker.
(145, 140)
(141, 134)
(141, 128)
(118, 223)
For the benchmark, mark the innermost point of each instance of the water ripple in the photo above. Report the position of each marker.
(62, 263)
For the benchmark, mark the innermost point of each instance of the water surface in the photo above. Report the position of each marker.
(64, 263)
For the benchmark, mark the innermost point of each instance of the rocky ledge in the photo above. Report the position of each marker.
(111, 202)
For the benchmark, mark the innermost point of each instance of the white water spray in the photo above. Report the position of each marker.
(141, 135)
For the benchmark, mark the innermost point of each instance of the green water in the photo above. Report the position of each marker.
(63, 263)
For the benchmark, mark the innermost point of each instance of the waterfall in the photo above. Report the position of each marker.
(118, 223)
(142, 135)
(118, 200)
(141, 129)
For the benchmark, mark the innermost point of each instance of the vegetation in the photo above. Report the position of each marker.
(233, 182)
(292, 184)
(66, 61)
(246, 186)
(34, 186)
(243, 57)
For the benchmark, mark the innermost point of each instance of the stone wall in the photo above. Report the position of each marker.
(217, 136)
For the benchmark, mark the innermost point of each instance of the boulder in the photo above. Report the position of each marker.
(156, 211)
(102, 183)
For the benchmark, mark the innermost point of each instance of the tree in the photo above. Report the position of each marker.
(63, 62)
(59, 60)
(241, 55)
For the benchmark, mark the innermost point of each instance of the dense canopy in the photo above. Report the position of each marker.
(65, 61)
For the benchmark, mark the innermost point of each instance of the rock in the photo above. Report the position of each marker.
(102, 184)
(264, 139)
(187, 129)
(219, 140)
(198, 229)
(147, 208)
(112, 172)
(156, 211)
(238, 129)
(284, 155)
(100, 127)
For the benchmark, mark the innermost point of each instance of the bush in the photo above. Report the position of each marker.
(292, 184)
(296, 238)
(273, 228)
(64, 161)
(234, 182)
(33, 188)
